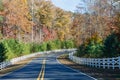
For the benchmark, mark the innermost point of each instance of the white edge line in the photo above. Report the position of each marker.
(74, 69)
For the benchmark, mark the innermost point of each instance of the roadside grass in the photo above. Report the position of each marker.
(17, 66)
(98, 73)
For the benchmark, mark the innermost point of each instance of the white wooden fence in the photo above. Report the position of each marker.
(97, 62)
(15, 60)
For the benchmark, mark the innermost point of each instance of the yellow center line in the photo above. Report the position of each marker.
(41, 75)
(42, 78)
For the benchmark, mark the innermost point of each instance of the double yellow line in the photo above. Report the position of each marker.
(42, 72)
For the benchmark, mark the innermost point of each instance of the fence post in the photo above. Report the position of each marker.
(113, 63)
(96, 63)
(90, 62)
(108, 63)
(87, 61)
(1, 65)
(93, 63)
(83, 61)
(99, 62)
(77, 60)
(103, 63)
(119, 62)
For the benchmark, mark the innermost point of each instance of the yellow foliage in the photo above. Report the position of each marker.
(25, 1)
(29, 16)
(67, 30)
(58, 25)
(94, 38)
(61, 35)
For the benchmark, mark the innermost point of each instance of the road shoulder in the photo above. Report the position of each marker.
(99, 74)
(16, 66)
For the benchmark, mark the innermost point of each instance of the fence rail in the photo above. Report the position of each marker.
(15, 60)
(97, 62)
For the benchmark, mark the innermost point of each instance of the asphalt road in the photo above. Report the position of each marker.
(46, 68)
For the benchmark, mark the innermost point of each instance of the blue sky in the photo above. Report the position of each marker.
(69, 5)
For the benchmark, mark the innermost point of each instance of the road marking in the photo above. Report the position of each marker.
(75, 69)
(42, 72)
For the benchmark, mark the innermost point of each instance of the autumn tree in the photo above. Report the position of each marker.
(94, 18)
(2, 18)
(34, 20)
(42, 14)
(62, 23)
(52, 19)
(17, 12)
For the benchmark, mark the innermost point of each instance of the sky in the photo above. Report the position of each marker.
(69, 5)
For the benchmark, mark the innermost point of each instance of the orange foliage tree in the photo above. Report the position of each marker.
(17, 16)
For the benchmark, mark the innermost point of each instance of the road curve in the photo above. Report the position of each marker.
(46, 68)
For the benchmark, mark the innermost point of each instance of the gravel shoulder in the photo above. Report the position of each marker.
(98, 73)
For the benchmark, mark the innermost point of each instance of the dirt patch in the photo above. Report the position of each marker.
(17, 66)
(98, 73)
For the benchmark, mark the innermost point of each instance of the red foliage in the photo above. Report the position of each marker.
(48, 34)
